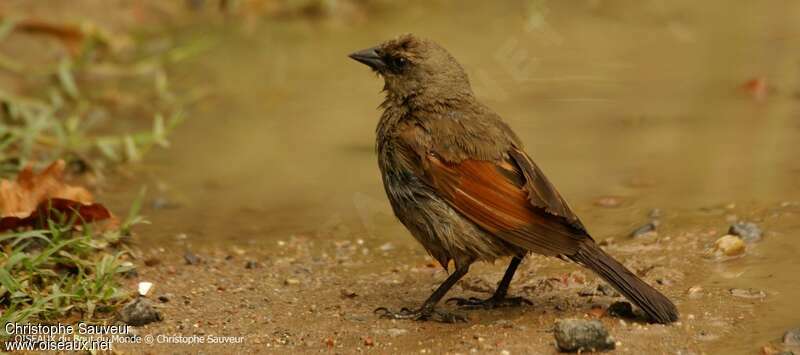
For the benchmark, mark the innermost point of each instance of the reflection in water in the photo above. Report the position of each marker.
(638, 100)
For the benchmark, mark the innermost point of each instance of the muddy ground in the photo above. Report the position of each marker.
(309, 293)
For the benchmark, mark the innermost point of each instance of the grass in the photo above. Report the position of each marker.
(61, 267)
(71, 111)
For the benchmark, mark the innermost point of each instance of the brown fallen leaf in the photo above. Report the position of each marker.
(36, 197)
(49, 208)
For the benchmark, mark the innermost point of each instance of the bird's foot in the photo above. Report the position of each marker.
(422, 314)
(489, 303)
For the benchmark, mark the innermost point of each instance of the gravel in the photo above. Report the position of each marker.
(792, 337)
(729, 245)
(573, 335)
(190, 258)
(139, 311)
(748, 231)
(645, 230)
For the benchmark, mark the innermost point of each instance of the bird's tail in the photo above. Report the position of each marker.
(652, 302)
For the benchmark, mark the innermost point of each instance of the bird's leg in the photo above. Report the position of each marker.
(428, 309)
(499, 298)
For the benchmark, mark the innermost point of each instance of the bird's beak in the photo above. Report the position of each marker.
(369, 57)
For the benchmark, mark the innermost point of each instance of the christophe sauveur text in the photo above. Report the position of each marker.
(66, 337)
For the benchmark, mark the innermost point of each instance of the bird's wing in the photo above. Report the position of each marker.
(510, 199)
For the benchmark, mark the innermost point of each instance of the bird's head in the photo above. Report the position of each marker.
(412, 66)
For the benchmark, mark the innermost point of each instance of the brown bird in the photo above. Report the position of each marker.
(458, 178)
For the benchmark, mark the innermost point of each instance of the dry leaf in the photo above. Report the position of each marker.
(34, 197)
(71, 36)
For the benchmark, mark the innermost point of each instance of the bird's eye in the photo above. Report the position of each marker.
(399, 62)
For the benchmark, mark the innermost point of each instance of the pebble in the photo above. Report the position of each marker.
(648, 229)
(152, 261)
(348, 293)
(747, 293)
(695, 292)
(396, 332)
(792, 337)
(291, 281)
(250, 264)
(190, 258)
(144, 288)
(582, 335)
(139, 311)
(386, 246)
(748, 231)
(608, 291)
(368, 341)
(729, 245)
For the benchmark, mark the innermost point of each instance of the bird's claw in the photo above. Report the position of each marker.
(422, 314)
(489, 303)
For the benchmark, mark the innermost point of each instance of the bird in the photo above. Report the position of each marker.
(458, 178)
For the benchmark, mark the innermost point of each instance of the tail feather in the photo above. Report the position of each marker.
(652, 302)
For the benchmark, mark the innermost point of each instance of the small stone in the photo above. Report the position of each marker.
(165, 297)
(748, 231)
(396, 332)
(348, 293)
(139, 311)
(695, 292)
(144, 288)
(190, 258)
(152, 261)
(792, 337)
(582, 335)
(386, 246)
(292, 281)
(368, 341)
(250, 264)
(621, 309)
(729, 245)
(607, 290)
(646, 230)
(747, 293)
